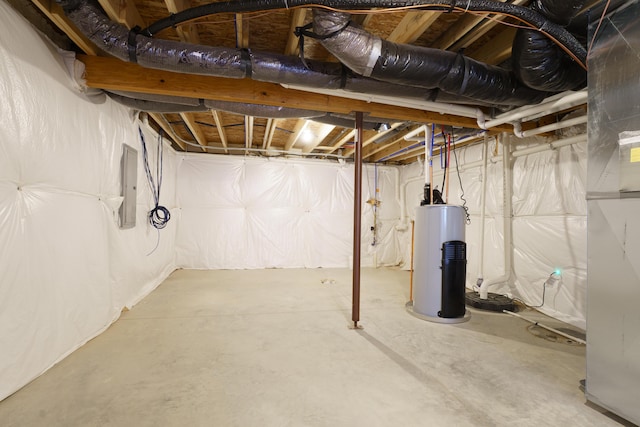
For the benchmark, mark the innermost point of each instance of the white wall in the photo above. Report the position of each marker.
(280, 213)
(66, 269)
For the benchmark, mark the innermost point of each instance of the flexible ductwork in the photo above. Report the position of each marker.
(155, 106)
(235, 63)
(460, 86)
(369, 123)
(541, 64)
(369, 55)
(262, 111)
(525, 15)
(175, 104)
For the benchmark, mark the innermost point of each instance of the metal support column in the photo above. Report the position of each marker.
(357, 216)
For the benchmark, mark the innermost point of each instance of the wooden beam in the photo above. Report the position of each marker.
(497, 50)
(187, 32)
(410, 153)
(123, 12)
(113, 74)
(412, 26)
(301, 125)
(374, 138)
(458, 30)
(373, 149)
(242, 32)
(349, 135)
(221, 131)
(482, 29)
(397, 146)
(297, 20)
(55, 13)
(270, 129)
(195, 129)
(248, 131)
(166, 127)
(322, 131)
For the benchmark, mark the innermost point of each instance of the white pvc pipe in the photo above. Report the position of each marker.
(517, 128)
(550, 105)
(506, 210)
(428, 135)
(483, 204)
(550, 146)
(548, 328)
(437, 107)
(415, 132)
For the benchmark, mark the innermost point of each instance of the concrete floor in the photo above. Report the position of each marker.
(273, 348)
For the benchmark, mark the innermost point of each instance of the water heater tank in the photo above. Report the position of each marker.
(439, 264)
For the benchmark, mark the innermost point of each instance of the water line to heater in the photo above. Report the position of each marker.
(507, 191)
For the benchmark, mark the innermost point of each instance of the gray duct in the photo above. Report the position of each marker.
(417, 66)
(155, 106)
(281, 69)
(349, 122)
(176, 104)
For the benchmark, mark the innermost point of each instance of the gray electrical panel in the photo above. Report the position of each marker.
(129, 185)
(613, 218)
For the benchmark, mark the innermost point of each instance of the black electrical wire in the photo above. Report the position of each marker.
(544, 289)
(444, 150)
(159, 216)
(534, 19)
(464, 201)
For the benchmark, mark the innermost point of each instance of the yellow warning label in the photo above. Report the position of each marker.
(635, 155)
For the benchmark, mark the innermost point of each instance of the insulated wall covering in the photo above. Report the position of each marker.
(281, 213)
(548, 222)
(66, 269)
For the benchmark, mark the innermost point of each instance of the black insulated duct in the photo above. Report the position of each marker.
(453, 73)
(236, 63)
(541, 64)
(398, 70)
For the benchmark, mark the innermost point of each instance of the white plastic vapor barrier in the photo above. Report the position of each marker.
(548, 223)
(66, 269)
(248, 213)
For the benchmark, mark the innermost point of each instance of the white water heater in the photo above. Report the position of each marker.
(439, 264)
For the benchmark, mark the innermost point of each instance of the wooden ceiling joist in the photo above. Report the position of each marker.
(197, 133)
(187, 32)
(301, 125)
(55, 13)
(166, 127)
(498, 50)
(297, 20)
(375, 137)
(321, 133)
(219, 126)
(268, 133)
(123, 12)
(242, 32)
(412, 26)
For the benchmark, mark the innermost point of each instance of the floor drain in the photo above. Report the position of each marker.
(552, 336)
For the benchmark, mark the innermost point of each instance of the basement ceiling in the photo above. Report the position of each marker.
(486, 38)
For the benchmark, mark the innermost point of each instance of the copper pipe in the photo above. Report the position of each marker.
(357, 217)
(413, 229)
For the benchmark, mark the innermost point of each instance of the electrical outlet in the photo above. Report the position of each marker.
(553, 279)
